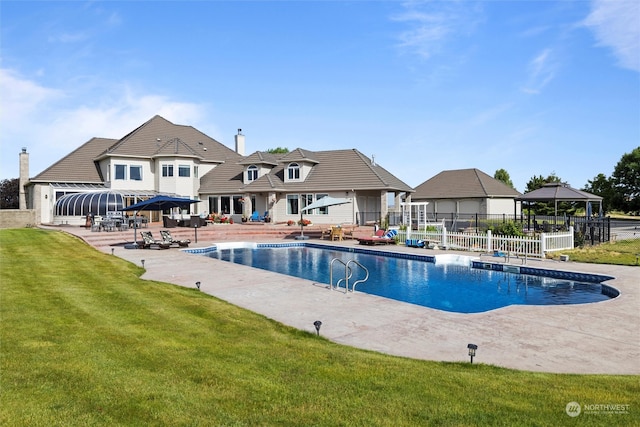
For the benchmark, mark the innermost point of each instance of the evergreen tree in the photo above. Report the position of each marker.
(503, 176)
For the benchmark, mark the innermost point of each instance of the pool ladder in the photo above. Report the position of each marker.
(348, 274)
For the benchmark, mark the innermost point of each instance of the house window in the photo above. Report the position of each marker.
(306, 200)
(323, 210)
(121, 171)
(252, 173)
(184, 170)
(293, 171)
(292, 204)
(167, 170)
(135, 173)
(195, 171)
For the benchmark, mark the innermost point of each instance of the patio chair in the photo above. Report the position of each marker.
(256, 217)
(168, 238)
(149, 241)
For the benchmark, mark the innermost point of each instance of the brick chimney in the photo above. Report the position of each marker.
(24, 177)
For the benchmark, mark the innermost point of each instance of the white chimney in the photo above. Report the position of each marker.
(240, 143)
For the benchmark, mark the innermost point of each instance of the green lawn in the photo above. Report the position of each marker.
(623, 252)
(85, 341)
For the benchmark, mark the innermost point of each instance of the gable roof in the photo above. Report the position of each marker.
(77, 166)
(463, 184)
(160, 137)
(335, 170)
(261, 158)
(155, 138)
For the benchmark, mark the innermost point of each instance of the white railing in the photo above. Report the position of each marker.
(528, 246)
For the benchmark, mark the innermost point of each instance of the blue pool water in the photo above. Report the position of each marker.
(450, 286)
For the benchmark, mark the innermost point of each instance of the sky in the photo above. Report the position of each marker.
(532, 87)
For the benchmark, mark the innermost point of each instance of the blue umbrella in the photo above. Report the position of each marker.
(160, 203)
(157, 203)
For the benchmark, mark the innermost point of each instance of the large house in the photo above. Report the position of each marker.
(159, 157)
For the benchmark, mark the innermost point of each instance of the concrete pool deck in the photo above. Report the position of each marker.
(595, 338)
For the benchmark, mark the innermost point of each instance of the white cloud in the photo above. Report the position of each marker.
(541, 72)
(432, 24)
(51, 124)
(616, 24)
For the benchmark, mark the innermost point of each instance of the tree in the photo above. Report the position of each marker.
(10, 193)
(626, 182)
(539, 181)
(503, 176)
(602, 186)
(278, 150)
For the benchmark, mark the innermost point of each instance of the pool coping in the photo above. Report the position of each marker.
(592, 338)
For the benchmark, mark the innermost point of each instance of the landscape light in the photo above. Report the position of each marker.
(472, 350)
(142, 261)
(112, 249)
(317, 324)
(198, 285)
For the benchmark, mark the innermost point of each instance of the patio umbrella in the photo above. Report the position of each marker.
(160, 203)
(326, 201)
(157, 203)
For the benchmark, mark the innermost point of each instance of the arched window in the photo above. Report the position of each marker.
(293, 171)
(252, 173)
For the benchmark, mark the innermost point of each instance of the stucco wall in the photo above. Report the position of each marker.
(17, 218)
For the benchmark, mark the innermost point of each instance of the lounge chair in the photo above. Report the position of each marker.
(256, 217)
(149, 241)
(168, 238)
(381, 238)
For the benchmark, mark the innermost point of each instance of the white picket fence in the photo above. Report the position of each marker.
(526, 246)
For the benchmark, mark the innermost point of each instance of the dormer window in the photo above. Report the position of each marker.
(252, 173)
(293, 171)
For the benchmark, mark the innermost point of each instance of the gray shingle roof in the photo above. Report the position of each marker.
(335, 170)
(158, 137)
(77, 166)
(463, 184)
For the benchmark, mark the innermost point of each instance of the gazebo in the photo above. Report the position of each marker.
(559, 192)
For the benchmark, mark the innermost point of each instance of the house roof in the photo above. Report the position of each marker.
(558, 191)
(335, 170)
(160, 137)
(157, 137)
(77, 166)
(463, 184)
(261, 158)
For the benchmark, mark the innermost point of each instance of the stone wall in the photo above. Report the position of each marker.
(17, 218)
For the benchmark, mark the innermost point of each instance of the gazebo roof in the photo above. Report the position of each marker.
(557, 191)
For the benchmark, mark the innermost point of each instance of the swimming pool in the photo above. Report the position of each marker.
(448, 282)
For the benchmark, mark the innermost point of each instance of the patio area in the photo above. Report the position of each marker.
(602, 338)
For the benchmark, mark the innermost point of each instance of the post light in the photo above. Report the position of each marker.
(195, 229)
(317, 324)
(142, 261)
(472, 350)
(198, 285)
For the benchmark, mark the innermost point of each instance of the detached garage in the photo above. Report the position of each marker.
(464, 192)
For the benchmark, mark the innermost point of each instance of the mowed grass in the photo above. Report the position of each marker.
(85, 342)
(623, 252)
